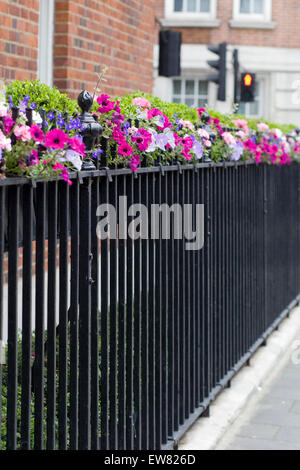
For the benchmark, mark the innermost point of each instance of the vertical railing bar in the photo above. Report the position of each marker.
(26, 318)
(171, 310)
(129, 326)
(113, 395)
(74, 320)
(207, 289)
(176, 302)
(84, 438)
(230, 259)
(137, 328)
(164, 317)
(38, 368)
(2, 247)
(104, 325)
(193, 294)
(122, 340)
(145, 321)
(187, 312)
(94, 317)
(158, 323)
(63, 314)
(182, 309)
(151, 316)
(12, 379)
(51, 315)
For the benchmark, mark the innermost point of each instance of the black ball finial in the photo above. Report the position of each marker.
(85, 101)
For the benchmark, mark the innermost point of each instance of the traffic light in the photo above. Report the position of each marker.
(247, 87)
(236, 71)
(169, 53)
(220, 65)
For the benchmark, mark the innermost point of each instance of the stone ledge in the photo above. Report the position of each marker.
(252, 24)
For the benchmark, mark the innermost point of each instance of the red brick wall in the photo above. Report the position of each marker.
(18, 39)
(285, 14)
(91, 34)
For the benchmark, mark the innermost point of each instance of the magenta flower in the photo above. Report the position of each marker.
(77, 146)
(8, 124)
(56, 139)
(154, 112)
(64, 172)
(134, 163)
(142, 141)
(106, 104)
(36, 133)
(125, 149)
(118, 135)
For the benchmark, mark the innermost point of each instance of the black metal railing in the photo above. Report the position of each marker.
(121, 344)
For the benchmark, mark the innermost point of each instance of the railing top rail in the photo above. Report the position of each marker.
(15, 181)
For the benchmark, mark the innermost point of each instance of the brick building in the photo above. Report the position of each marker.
(267, 35)
(65, 42)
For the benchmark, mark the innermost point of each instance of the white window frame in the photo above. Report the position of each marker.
(185, 18)
(46, 40)
(196, 78)
(252, 17)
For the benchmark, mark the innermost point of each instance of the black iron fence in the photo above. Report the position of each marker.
(123, 343)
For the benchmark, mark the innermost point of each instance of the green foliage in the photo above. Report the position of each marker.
(169, 109)
(226, 121)
(45, 97)
(190, 114)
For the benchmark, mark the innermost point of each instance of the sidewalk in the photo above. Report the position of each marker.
(271, 421)
(261, 410)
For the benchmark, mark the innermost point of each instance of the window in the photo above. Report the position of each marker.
(254, 109)
(252, 7)
(190, 91)
(202, 6)
(46, 37)
(252, 12)
(191, 13)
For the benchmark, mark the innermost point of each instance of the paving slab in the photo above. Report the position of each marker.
(261, 410)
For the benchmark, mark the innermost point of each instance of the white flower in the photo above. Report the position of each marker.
(3, 109)
(72, 157)
(36, 118)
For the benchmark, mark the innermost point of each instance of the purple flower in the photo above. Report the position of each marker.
(161, 141)
(237, 151)
(60, 122)
(97, 153)
(50, 116)
(198, 150)
(33, 106)
(22, 106)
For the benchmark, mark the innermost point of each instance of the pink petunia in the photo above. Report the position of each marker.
(135, 162)
(8, 124)
(262, 127)
(142, 102)
(125, 149)
(22, 132)
(106, 104)
(56, 139)
(118, 135)
(5, 142)
(36, 133)
(77, 146)
(154, 112)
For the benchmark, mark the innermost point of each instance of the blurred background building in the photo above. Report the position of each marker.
(66, 42)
